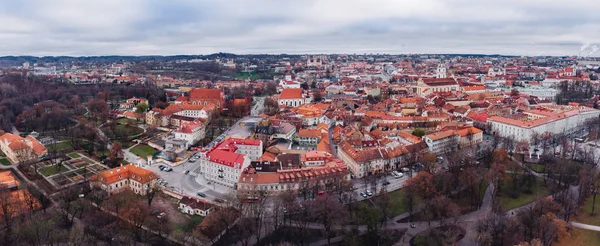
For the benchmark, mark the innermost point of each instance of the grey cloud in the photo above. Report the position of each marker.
(136, 27)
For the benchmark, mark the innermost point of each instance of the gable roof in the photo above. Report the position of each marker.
(204, 93)
(129, 171)
(291, 93)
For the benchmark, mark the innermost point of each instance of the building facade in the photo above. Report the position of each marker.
(127, 177)
(224, 163)
(18, 149)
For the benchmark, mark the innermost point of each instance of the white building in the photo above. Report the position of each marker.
(555, 122)
(539, 91)
(291, 97)
(223, 164)
(193, 206)
(191, 132)
(442, 142)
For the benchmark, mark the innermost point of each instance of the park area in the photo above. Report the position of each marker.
(143, 150)
(120, 131)
(511, 195)
(4, 161)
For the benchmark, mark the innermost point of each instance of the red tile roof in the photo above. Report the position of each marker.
(291, 93)
(203, 93)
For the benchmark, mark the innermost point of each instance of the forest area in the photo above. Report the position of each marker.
(42, 103)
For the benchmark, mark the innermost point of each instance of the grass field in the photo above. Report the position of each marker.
(121, 130)
(190, 224)
(51, 170)
(463, 199)
(538, 168)
(5, 162)
(143, 150)
(523, 198)
(397, 205)
(124, 121)
(63, 146)
(585, 216)
(581, 237)
(74, 155)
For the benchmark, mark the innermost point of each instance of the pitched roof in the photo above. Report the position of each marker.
(440, 135)
(129, 171)
(291, 93)
(204, 93)
(468, 131)
(195, 203)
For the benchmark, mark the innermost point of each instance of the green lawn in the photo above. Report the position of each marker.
(121, 130)
(397, 205)
(5, 162)
(74, 155)
(190, 224)
(538, 168)
(124, 121)
(585, 213)
(463, 199)
(507, 202)
(51, 170)
(143, 150)
(581, 237)
(63, 146)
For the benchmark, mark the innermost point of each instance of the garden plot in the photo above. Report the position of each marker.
(70, 172)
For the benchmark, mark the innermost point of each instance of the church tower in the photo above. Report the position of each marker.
(441, 71)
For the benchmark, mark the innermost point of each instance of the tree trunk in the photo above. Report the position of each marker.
(594, 203)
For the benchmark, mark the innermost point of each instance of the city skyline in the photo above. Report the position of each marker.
(95, 28)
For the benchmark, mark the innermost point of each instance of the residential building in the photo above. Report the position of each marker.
(126, 177)
(18, 149)
(224, 163)
(442, 142)
(190, 132)
(469, 136)
(309, 137)
(269, 178)
(316, 158)
(194, 206)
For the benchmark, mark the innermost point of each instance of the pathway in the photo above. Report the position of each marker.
(585, 226)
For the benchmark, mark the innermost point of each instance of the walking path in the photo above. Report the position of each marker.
(585, 226)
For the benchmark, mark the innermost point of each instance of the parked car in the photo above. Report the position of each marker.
(186, 171)
(320, 192)
(219, 200)
(363, 194)
(161, 215)
(386, 182)
(161, 167)
(154, 212)
(201, 194)
(369, 193)
(404, 169)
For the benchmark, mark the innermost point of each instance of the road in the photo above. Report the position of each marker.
(258, 106)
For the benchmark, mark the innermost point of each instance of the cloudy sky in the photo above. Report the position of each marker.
(168, 27)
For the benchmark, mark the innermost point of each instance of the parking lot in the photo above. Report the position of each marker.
(189, 184)
(394, 184)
